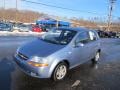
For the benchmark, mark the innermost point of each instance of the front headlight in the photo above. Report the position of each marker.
(37, 62)
(36, 59)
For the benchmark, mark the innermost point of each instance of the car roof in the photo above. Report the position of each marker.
(78, 29)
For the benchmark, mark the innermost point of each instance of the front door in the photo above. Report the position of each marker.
(82, 49)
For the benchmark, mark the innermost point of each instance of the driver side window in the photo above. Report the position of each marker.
(83, 38)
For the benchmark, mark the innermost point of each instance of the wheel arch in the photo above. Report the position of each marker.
(62, 61)
(66, 62)
(99, 50)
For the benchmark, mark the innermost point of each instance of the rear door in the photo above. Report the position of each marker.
(94, 43)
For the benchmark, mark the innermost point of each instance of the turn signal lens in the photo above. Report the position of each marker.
(35, 64)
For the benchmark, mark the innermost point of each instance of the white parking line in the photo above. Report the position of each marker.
(76, 83)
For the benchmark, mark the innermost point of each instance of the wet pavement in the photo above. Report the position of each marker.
(102, 76)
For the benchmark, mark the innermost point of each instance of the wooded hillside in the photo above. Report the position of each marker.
(27, 16)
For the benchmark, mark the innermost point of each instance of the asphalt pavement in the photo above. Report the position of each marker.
(102, 76)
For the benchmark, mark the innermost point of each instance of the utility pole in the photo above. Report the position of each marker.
(57, 22)
(3, 10)
(110, 13)
(16, 11)
(4, 4)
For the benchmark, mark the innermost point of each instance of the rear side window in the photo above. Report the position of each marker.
(93, 36)
(86, 36)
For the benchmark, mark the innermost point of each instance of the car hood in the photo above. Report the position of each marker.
(39, 48)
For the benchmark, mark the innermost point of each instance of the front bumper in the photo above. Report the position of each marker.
(39, 72)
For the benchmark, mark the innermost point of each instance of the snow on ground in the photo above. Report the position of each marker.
(5, 33)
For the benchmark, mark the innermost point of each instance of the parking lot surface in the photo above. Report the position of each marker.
(102, 76)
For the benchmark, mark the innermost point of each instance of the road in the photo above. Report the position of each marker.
(102, 76)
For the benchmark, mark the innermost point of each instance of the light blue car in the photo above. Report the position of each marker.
(57, 51)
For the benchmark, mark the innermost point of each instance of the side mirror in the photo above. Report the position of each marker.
(78, 44)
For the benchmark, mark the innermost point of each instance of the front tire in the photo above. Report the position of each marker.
(60, 72)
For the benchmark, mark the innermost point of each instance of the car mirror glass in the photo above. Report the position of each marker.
(78, 44)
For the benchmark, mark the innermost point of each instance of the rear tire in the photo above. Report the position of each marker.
(60, 71)
(96, 58)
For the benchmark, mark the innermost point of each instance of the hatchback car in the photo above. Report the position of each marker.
(57, 51)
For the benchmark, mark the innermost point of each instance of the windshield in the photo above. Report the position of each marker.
(62, 37)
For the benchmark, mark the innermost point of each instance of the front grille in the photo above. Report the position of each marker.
(22, 56)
